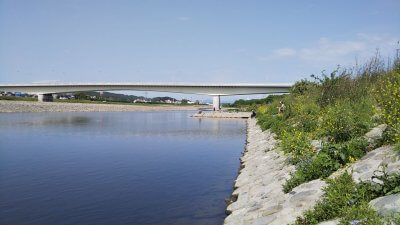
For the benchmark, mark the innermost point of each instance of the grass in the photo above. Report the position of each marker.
(343, 198)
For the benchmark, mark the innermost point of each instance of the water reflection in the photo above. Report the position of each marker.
(122, 123)
(116, 168)
(71, 121)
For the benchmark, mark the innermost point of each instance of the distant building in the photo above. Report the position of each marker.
(140, 101)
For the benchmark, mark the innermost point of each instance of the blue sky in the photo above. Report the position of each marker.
(189, 41)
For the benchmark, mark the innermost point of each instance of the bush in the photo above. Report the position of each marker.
(327, 161)
(343, 198)
(387, 95)
(253, 104)
(303, 87)
(268, 118)
(382, 183)
(361, 214)
(339, 193)
(304, 113)
(347, 152)
(297, 144)
(272, 121)
(393, 219)
(334, 87)
(345, 120)
(321, 166)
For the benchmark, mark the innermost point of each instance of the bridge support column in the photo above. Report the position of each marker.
(216, 102)
(45, 97)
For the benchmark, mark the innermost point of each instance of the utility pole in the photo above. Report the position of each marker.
(398, 50)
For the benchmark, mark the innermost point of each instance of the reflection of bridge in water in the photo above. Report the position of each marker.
(166, 124)
(45, 91)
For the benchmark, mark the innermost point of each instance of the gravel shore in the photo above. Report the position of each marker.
(25, 106)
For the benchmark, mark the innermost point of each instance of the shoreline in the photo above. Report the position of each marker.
(258, 197)
(7, 106)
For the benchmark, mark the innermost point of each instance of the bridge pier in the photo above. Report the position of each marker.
(45, 97)
(216, 102)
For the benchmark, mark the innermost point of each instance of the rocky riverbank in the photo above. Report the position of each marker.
(25, 106)
(258, 197)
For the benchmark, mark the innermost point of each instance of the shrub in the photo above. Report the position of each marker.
(347, 152)
(345, 120)
(304, 114)
(303, 87)
(343, 198)
(334, 87)
(387, 95)
(392, 219)
(339, 193)
(383, 183)
(253, 104)
(274, 122)
(297, 144)
(321, 166)
(361, 214)
(327, 161)
(268, 118)
(301, 113)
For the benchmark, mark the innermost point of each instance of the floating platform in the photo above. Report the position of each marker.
(217, 114)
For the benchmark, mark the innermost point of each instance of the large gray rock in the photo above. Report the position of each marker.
(364, 169)
(386, 205)
(375, 135)
(317, 144)
(330, 222)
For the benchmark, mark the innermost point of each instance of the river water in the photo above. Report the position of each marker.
(116, 168)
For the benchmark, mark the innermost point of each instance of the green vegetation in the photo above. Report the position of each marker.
(14, 98)
(253, 104)
(387, 95)
(337, 109)
(94, 97)
(343, 198)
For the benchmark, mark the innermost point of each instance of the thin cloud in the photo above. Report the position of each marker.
(183, 18)
(328, 51)
(279, 53)
(283, 52)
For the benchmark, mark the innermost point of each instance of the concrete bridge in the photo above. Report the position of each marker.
(45, 91)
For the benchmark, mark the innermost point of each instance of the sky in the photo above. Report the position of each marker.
(208, 41)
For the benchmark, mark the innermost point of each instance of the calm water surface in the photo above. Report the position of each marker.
(116, 168)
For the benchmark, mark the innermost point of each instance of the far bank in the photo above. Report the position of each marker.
(30, 106)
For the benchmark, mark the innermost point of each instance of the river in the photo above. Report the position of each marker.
(98, 168)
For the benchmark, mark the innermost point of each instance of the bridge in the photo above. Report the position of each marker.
(45, 91)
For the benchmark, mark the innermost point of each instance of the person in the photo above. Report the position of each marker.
(253, 114)
(281, 107)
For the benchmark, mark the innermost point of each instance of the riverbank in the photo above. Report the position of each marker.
(258, 197)
(26, 106)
